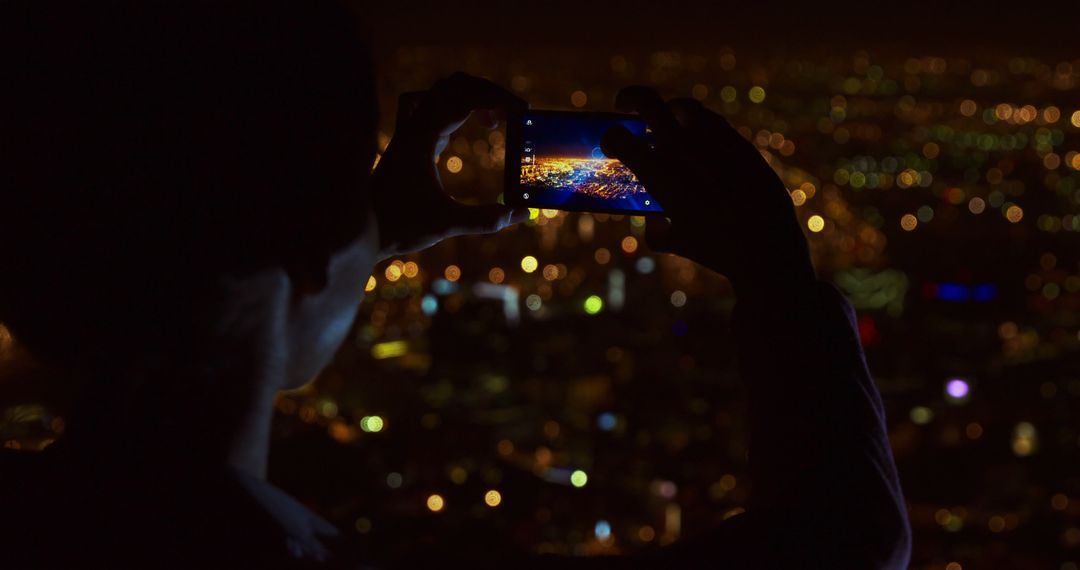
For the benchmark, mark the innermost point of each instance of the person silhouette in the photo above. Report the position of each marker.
(189, 212)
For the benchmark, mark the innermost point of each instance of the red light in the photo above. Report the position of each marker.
(868, 332)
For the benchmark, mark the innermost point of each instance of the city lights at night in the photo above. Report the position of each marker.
(566, 386)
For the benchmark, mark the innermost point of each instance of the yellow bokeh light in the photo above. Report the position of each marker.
(410, 269)
(909, 222)
(393, 273)
(629, 244)
(372, 424)
(391, 349)
(1075, 120)
(529, 264)
(454, 164)
(452, 273)
(1014, 214)
(370, 286)
(798, 197)
(493, 498)
(435, 503)
(547, 213)
(757, 94)
(1003, 111)
(578, 478)
(816, 223)
(496, 275)
(579, 98)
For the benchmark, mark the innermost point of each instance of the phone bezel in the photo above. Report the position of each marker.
(514, 142)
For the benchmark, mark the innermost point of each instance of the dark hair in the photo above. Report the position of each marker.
(149, 147)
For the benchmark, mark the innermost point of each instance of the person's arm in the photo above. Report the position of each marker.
(825, 490)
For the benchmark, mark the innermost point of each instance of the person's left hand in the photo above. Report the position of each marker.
(411, 208)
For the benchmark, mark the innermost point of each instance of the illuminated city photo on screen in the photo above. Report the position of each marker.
(564, 168)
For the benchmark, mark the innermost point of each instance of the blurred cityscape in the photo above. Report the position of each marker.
(561, 388)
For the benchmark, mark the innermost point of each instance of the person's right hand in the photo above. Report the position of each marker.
(728, 210)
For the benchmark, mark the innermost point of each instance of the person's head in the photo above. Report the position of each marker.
(178, 179)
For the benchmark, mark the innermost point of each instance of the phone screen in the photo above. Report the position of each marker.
(562, 167)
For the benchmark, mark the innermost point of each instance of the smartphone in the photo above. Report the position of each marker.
(554, 161)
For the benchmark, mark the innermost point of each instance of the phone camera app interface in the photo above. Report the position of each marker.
(563, 167)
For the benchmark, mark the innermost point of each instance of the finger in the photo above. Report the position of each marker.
(688, 112)
(520, 215)
(479, 93)
(483, 219)
(632, 151)
(691, 114)
(646, 102)
(440, 145)
(453, 98)
(666, 236)
(658, 233)
(407, 103)
(488, 118)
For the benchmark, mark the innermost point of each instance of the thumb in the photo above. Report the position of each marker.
(660, 234)
(632, 151)
(483, 219)
(664, 236)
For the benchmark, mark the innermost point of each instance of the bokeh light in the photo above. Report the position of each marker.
(529, 264)
(602, 530)
(372, 424)
(957, 389)
(593, 304)
(454, 164)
